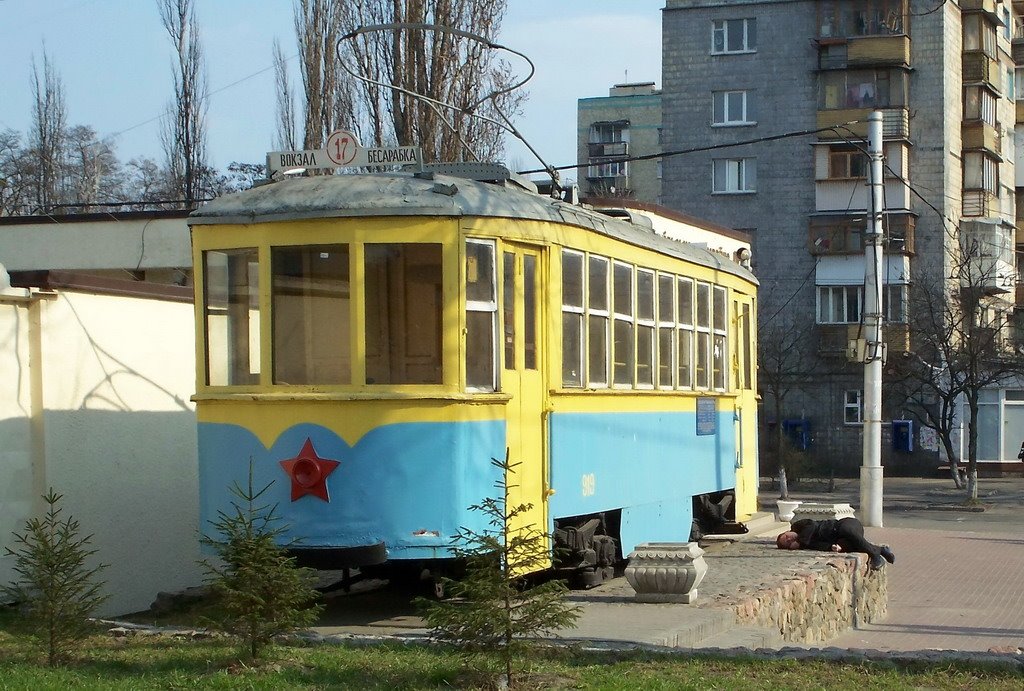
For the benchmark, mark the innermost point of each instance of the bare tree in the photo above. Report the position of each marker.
(49, 125)
(92, 171)
(17, 174)
(184, 132)
(145, 183)
(783, 365)
(960, 324)
(285, 102)
(327, 98)
(441, 65)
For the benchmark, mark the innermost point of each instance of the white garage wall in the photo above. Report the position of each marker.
(118, 435)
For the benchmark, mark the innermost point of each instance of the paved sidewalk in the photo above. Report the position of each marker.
(950, 591)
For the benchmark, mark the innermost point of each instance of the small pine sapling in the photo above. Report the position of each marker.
(56, 589)
(492, 609)
(260, 591)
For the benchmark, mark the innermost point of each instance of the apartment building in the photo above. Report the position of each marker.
(613, 129)
(943, 75)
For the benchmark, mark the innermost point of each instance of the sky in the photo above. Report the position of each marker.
(114, 60)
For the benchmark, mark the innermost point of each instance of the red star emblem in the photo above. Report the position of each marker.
(309, 472)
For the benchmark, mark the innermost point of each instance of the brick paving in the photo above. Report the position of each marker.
(949, 591)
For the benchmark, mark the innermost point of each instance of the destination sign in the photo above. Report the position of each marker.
(342, 151)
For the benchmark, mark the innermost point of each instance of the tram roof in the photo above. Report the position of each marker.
(408, 194)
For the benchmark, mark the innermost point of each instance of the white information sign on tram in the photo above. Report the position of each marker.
(342, 150)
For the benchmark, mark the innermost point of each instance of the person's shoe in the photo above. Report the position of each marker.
(877, 561)
(886, 551)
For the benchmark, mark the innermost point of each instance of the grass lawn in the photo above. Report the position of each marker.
(159, 662)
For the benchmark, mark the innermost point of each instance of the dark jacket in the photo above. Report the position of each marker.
(819, 535)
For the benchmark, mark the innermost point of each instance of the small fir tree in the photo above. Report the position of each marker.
(57, 590)
(491, 608)
(261, 593)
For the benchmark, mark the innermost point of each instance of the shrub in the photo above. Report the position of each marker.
(57, 591)
(491, 609)
(260, 591)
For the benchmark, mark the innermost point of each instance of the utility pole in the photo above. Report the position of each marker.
(871, 469)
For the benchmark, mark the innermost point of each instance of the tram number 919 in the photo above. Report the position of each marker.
(588, 484)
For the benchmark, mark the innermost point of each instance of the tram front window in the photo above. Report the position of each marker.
(403, 313)
(231, 308)
(311, 304)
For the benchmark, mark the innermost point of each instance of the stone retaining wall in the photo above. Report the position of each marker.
(816, 606)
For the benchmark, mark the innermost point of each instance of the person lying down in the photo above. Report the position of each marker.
(830, 535)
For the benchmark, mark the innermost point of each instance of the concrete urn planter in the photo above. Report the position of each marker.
(786, 509)
(666, 571)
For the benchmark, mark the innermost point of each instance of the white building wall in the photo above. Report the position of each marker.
(118, 436)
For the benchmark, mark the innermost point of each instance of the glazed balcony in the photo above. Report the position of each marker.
(981, 68)
(864, 51)
(978, 135)
(895, 122)
(988, 7)
(845, 235)
(834, 339)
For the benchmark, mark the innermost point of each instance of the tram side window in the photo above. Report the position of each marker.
(684, 362)
(703, 350)
(666, 330)
(598, 324)
(481, 316)
(719, 351)
(232, 317)
(572, 319)
(311, 307)
(623, 346)
(403, 313)
(645, 328)
(748, 347)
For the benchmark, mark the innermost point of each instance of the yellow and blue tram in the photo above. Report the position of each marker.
(367, 343)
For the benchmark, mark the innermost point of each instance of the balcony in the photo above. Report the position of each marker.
(988, 7)
(980, 203)
(989, 252)
(978, 135)
(895, 122)
(878, 50)
(834, 339)
(846, 194)
(603, 149)
(981, 68)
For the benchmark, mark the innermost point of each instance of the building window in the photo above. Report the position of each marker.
(844, 304)
(853, 407)
(731, 108)
(979, 104)
(607, 169)
(980, 172)
(734, 175)
(846, 164)
(1007, 33)
(609, 132)
(839, 304)
(880, 88)
(733, 36)
(979, 34)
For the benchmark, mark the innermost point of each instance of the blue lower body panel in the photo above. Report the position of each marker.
(647, 464)
(406, 485)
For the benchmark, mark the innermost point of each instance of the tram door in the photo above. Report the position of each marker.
(522, 298)
(744, 369)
